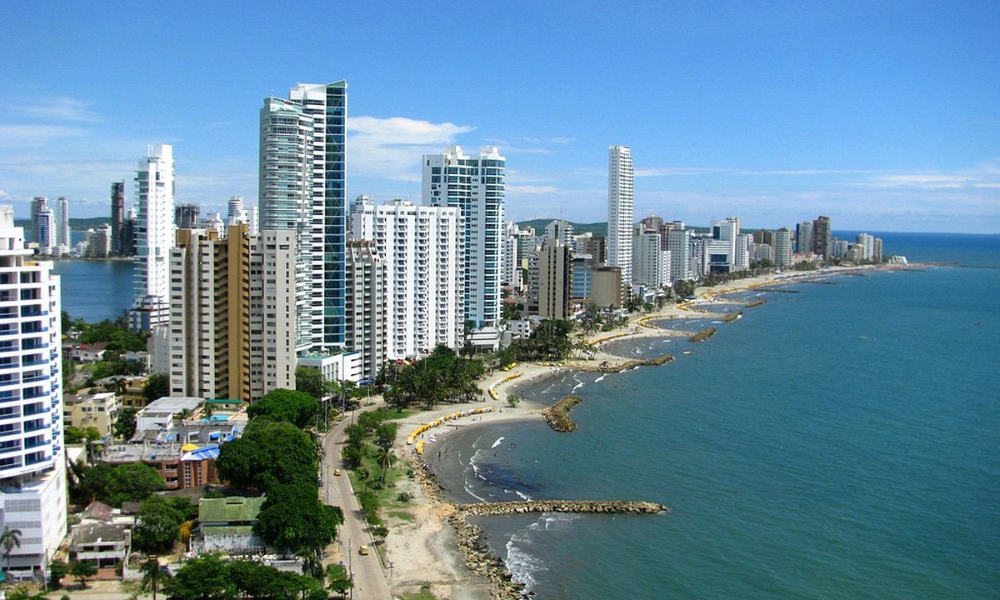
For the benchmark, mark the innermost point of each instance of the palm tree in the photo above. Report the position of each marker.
(152, 575)
(364, 475)
(9, 539)
(385, 459)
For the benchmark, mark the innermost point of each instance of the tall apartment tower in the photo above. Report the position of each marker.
(46, 230)
(32, 460)
(117, 218)
(423, 250)
(272, 312)
(782, 248)
(63, 235)
(154, 237)
(560, 230)
(804, 237)
(366, 306)
(476, 186)
(37, 204)
(555, 280)
(303, 188)
(650, 262)
(186, 216)
(679, 245)
(621, 209)
(821, 236)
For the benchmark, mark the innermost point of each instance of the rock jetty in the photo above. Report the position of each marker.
(494, 509)
(557, 415)
(730, 317)
(478, 557)
(702, 335)
(756, 302)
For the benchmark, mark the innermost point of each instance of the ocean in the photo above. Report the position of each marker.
(840, 442)
(94, 290)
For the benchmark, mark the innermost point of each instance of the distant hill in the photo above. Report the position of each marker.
(598, 229)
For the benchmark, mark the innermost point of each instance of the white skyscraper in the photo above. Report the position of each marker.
(63, 235)
(422, 249)
(476, 186)
(46, 230)
(651, 263)
(303, 188)
(154, 237)
(782, 247)
(32, 460)
(621, 209)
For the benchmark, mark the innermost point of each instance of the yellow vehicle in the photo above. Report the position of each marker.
(363, 550)
(336, 472)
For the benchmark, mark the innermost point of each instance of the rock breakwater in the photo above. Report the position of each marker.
(557, 415)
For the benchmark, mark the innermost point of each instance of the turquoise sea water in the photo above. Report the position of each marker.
(836, 443)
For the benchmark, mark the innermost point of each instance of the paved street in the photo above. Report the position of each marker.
(369, 577)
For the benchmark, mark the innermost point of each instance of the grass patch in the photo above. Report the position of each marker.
(402, 516)
(423, 594)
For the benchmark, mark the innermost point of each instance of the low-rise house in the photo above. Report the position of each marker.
(103, 537)
(226, 525)
(85, 353)
(92, 410)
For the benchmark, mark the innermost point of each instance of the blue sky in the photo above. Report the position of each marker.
(883, 115)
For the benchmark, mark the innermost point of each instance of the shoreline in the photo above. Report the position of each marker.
(475, 573)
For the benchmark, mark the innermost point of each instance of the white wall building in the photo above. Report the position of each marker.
(366, 306)
(154, 237)
(621, 209)
(650, 262)
(476, 186)
(782, 248)
(423, 251)
(32, 461)
(272, 311)
(679, 245)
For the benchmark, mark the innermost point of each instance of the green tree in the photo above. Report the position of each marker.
(385, 434)
(338, 579)
(158, 524)
(124, 427)
(157, 386)
(9, 539)
(153, 576)
(298, 408)
(57, 570)
(77, 435)
(204, 578)
(132, 482)
(293, 517)
(82, 571)
(268, 453)
(385, 459)
(94, 481)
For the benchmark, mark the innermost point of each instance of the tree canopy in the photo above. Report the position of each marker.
(440, 377)
(124, 427)
(550, 341)
(293, 517)
(132, 482)
(210, 578)
(268, 453)
(158, 523)
(157, 386)
(298, 408)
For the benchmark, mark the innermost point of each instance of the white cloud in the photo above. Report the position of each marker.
(57, 109)
(17, 135)
(391, 148)
(532, 189)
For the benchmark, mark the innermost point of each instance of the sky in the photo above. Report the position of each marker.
(883, 115)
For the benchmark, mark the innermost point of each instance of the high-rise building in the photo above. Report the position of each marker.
(272, 312)
(804, 237)
(866, 244)
(186, 216)
(560, 230)
(621, 208)
(555, 280)
(650, 262)
(63, 236)
(782, 248)
(225, 291)
(46, 235)
(154, 237)
(99, 242)
(366, 306)
(476, 186)
(37, 204)
(235, 213)
(422, 247)
(361, 218)
(118, 219)
(679, 245)
(32, 459)
(821, 236)
(303, 188)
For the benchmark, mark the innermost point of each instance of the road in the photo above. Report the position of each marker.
(369, 576)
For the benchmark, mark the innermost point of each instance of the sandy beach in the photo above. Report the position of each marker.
(422, 549)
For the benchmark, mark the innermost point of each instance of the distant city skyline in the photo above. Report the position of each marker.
(886, 117)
